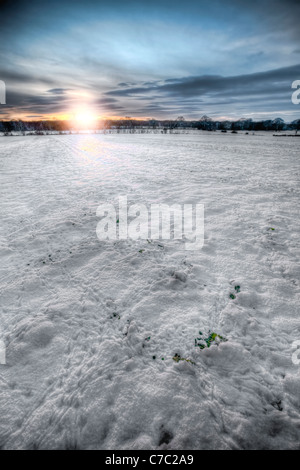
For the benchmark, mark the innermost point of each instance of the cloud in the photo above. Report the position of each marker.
(58, 91)
(36, 104)
(189, 87)
(12, 77)
(259, 91)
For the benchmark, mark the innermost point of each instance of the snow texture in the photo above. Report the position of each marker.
(91, 327)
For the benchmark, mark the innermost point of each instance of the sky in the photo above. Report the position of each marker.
(155, 59)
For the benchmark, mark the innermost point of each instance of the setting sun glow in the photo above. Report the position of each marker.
(85, 117)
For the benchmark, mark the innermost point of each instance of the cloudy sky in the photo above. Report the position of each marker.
(226, 59)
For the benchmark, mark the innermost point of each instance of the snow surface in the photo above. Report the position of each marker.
(77, 313)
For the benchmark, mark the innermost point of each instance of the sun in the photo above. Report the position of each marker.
(85, 117)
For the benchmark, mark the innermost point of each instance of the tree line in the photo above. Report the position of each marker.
(204, 123)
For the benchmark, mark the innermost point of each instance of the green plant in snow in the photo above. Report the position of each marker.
(211, 339)
(178, 358)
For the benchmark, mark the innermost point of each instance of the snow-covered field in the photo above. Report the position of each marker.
(91, 327)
